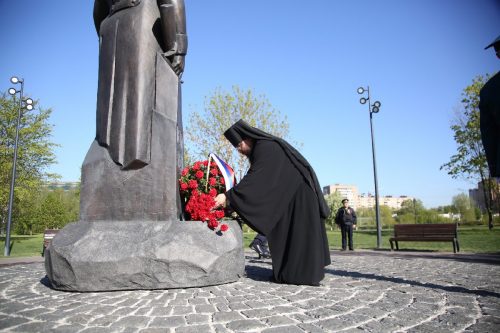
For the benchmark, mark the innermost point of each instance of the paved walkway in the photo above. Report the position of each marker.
(364, 291)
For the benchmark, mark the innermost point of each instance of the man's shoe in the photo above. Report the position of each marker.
(343, 250)
(265, 252)
(257, 248)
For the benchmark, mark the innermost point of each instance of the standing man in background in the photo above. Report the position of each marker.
(346, 220)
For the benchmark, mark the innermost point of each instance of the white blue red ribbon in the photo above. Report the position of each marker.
(226, 171)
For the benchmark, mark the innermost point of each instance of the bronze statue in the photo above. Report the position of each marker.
(132, 35)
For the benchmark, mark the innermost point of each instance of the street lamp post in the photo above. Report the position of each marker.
(373, 108)
(28, 105)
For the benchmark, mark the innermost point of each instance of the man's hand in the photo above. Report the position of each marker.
(220, 200)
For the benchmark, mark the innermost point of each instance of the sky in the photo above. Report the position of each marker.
(307, 58)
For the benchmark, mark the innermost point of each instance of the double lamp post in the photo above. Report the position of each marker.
(23, 104)
(373, 108)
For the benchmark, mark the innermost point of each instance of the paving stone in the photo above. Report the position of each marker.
(197, 319)
(311, 328)
(225, 317)
(245, 325)
(172, 321)
(278, 321)
(204, 308)
(182, 310)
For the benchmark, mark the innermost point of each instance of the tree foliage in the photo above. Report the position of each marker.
(367, 218)
(222, 109)
(334, 202)
(469, 162)
(470, 159)
(35, 153)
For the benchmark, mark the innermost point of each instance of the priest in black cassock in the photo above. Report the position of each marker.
(280, 197)
(489, 106)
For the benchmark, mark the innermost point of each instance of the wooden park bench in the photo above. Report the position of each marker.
(48, 234)
(440, 232)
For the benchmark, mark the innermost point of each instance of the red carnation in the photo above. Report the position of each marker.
(212, 181)
(212, 224)
(199, 174)
(205, 163)
(184, 186)
(214, 172)
(193, 184)
(185, 171)
(219, 214)
(224, 227)
(212, 192)
(222, 181)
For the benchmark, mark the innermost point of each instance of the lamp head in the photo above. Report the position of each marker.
(12, 91)
(375, 109)
(28, 104)
(361, 90)
(362, 100)
(377, 104)
(15, 80)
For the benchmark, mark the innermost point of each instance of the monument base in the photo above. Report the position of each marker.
(128, 255)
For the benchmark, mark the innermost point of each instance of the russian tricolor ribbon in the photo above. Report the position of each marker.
(226, 171)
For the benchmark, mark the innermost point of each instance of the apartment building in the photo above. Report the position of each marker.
(364, 200)
(368, 201)
(346, 191)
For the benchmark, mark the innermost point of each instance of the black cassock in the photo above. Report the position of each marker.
(489, 107)
(279, 197)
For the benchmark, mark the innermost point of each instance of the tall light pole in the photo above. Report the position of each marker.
(23, 104)
(373, 108)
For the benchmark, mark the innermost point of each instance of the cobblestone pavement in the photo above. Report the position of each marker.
(364, 291)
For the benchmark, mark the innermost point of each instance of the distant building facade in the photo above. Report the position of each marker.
(364, 200)
(66, 186)
(346, 191)
(477, 194)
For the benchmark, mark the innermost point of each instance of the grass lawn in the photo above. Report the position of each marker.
(476, 239)
(23, 245)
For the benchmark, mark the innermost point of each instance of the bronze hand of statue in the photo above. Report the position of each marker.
(178, 62)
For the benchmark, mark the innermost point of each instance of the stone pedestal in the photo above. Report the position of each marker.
(110, 255)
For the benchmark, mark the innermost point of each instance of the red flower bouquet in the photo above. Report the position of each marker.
(199, 185)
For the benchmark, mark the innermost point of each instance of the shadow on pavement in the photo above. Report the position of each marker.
(481, 258)
(370, 276)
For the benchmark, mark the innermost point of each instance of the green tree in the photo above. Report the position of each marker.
(412, 211)
(334, 201)
(462, 205)
(35, 153)
(470, 160)
(222, 109)
(48, 208)
(386, 216)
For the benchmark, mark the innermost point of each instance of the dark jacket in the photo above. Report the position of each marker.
(343, 217)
